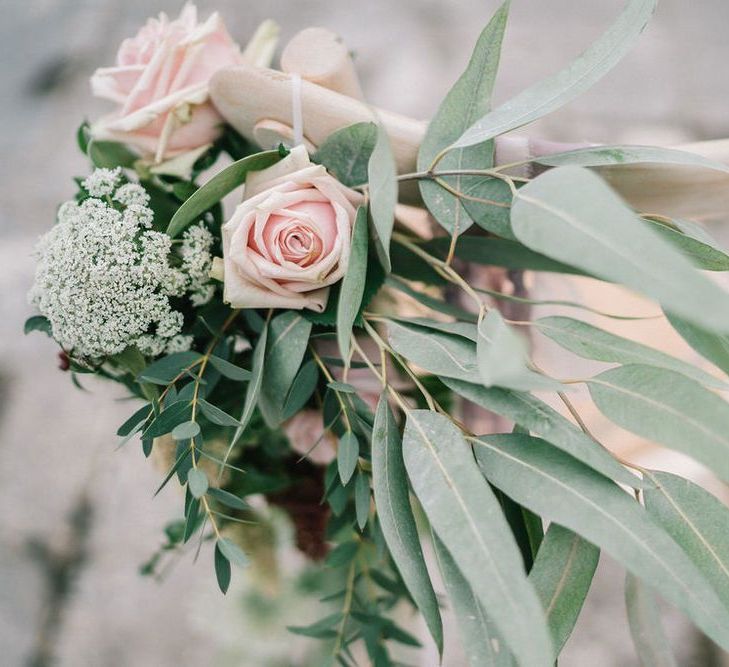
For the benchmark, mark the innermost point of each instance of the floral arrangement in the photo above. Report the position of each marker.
(324, 349)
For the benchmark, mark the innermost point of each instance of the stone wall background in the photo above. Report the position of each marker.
(673, 87)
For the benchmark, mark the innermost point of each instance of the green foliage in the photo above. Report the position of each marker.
(669, 408)
(562, 574)
(570, 215)
(110, 154)
(697, 521)
(353, 284)
(711, 346)
(563, 490)
(396, 516)
(346, 153)
(532, 414)
(502, 358)
(197, 482)
(553, 92)
(225, 181)
(590, 342)
(37, 323)
(481, 641)
(382, 191)
(467, 517)
(644, 619)
(287, 342)
(347, 456)
(469, 99)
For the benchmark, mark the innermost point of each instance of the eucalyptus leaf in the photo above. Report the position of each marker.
(222, 570)
(110, 154)
(139, 417)
(231, 371)
(481, 641)
(560, 488)
(711, 346)
(562, 574)
(571, 215)
(607, 156)
(166, 369)
(530, 413)
(669, 408)
(197, 482)
(555, 91)
(253, 392)
(382, 181)
(347, 456)
(396, 518)
(590, 342)
(443, 354)
(346, 153)
(186, 430)
(228, 499)
(38, 323)
(225, 181)
(232, 552)
(431, 302)
(498, 252)
(702, 254)
(362, 500)
(287, 342)
(171, 416)
(216, 415)
(468, 100)
(502, 358)
(467, 517)
(353, 283)
(301, 389)
(698, 521)
(644, 620)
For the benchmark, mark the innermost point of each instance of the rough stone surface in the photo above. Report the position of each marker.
(57, 444)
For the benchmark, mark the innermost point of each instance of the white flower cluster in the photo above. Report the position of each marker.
(104, 279)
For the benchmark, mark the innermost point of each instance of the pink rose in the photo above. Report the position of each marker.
(160, 83)
(290, 238)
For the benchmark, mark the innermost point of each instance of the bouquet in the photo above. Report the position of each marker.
(346, 337)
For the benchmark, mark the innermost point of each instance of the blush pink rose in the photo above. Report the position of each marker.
(160, 83)
(289, 240)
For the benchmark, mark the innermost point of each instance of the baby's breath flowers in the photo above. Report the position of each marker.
(104, 278)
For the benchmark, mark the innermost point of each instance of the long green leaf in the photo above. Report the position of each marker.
(571, 215)
(669, 408)
(481, 641)
(536, 416)
(396, 517)
(698, 521)
(644, 620)
(703, 253)
(382, 179)
(353, 284)
(606, 156)
(562, 574)
(439, 353)
(498, 252)
(590, 342)
(467, 517)
(558, 487)
(225, 181)
(502, 358)
(468, 100)
(550, 94)
(287, 342)
(711, 346)
(347, 152)
(252, 393)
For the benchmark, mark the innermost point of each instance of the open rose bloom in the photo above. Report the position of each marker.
(289, 240)
(160, 83)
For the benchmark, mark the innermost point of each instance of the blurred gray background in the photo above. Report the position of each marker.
(76, 517)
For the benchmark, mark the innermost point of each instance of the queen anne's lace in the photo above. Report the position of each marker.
(104, 278)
